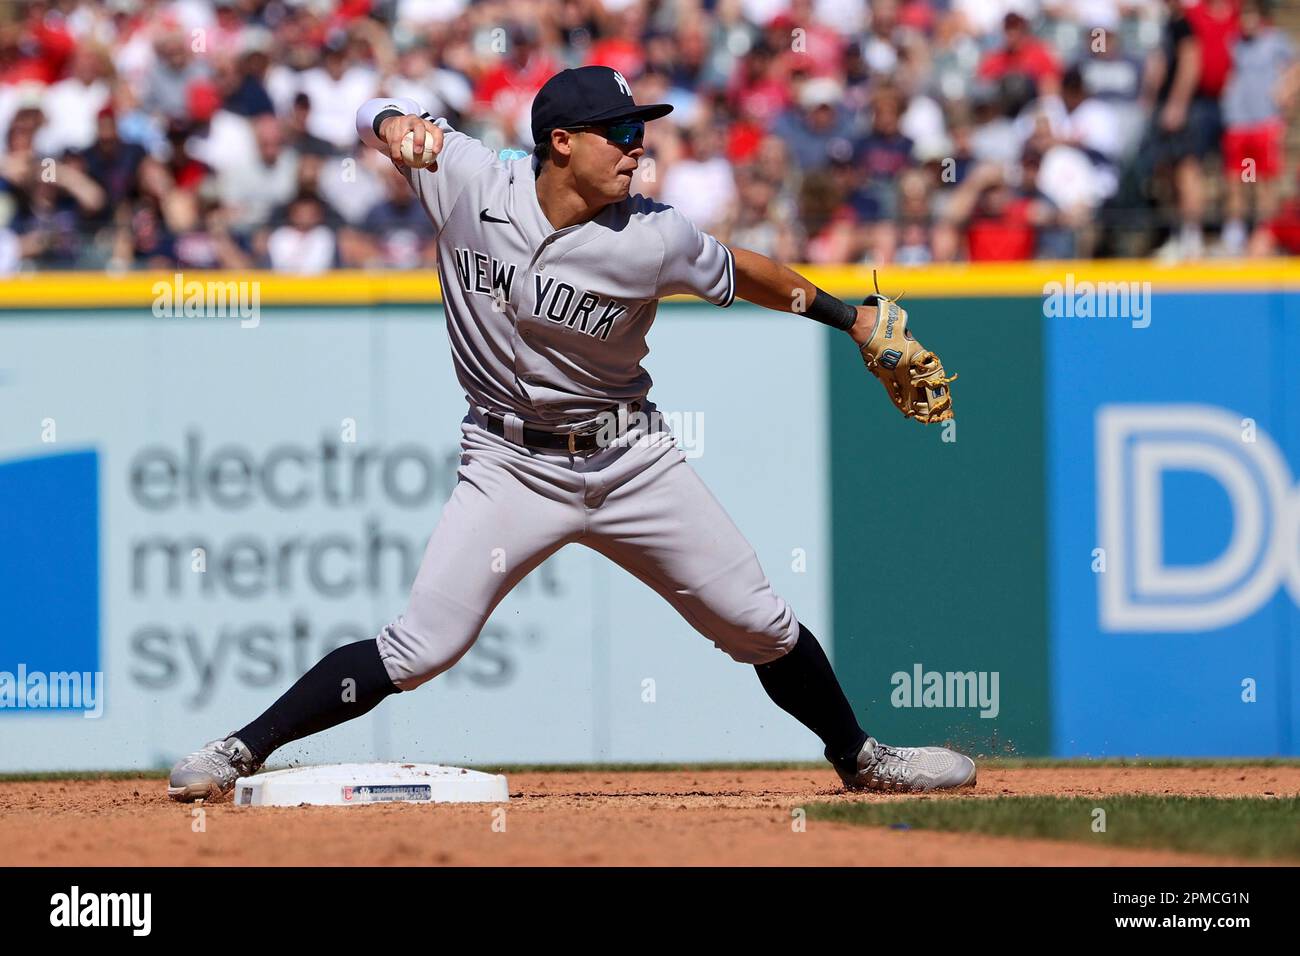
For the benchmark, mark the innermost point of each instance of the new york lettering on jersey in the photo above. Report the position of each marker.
(560, 302)
(564, 306)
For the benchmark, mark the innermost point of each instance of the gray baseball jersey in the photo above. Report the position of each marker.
(548, 326)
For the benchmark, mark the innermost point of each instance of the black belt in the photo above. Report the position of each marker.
(572, 442)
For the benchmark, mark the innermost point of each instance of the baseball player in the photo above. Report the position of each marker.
(551, 272)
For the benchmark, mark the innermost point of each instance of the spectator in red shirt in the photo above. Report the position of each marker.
(1002, 229)
(758, 90)
(816, 47)
(507, 90)
(1000, 223)
(621, 49)
(35, 51)
(1256, 100)
(1021, 53)
(349, 10)
(1215, 23)
(1282, 233)
(918, 15)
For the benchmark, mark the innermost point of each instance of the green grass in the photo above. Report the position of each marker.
(1056, 763)
(41, 775)
(1251, 827)
(991, 763)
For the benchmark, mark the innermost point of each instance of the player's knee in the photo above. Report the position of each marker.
(433, 634)
(757, 634)
(415, 654)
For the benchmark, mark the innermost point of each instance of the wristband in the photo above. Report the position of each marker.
(379, 120)
(828, 310)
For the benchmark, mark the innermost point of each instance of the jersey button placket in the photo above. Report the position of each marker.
(539, 260)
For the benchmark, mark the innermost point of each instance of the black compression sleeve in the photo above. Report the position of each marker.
(803, 684)
(828, 310)
(346, 683)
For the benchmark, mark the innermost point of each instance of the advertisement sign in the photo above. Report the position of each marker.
(1173, 528)
(197, 509)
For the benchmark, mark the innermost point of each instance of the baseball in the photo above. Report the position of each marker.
(424, 159)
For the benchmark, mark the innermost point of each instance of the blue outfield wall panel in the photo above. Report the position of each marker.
(49, 565)
(1287, 316)
(1175, 575)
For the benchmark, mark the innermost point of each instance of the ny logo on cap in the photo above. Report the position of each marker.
(622, 83)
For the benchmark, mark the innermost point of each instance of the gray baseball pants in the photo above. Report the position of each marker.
(638, 502)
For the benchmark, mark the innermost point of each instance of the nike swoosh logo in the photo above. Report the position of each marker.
(484, 217)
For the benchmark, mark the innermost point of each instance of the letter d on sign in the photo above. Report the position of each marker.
(1136, 446)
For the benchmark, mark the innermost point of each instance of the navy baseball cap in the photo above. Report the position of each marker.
(587, 96)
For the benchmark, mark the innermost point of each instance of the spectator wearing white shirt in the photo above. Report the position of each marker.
(304, 245)
(442, 92)
(170, 76)
(1084, 123)
(266, 180)
(75, 103)
(702, 187)
(221, 139)
(984, 18)
(1113, 76)
(419, 13)
(335, 88)
(846, 17)
(1093, 125)
(352, 197)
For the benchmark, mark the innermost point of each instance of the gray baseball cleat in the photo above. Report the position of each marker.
(908, 769)
(211, 773)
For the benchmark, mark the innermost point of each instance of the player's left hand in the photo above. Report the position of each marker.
(912, 375)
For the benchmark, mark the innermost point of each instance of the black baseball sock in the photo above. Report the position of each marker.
(322, 698)
(803, 684)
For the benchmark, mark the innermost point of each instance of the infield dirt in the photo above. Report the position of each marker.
(600, 817)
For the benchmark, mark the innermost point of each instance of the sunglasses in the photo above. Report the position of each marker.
(620, 134)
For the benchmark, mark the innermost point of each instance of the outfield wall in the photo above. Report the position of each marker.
(1092, 552)
(1113, 528)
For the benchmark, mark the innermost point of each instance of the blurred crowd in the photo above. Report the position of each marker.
(187, 134)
